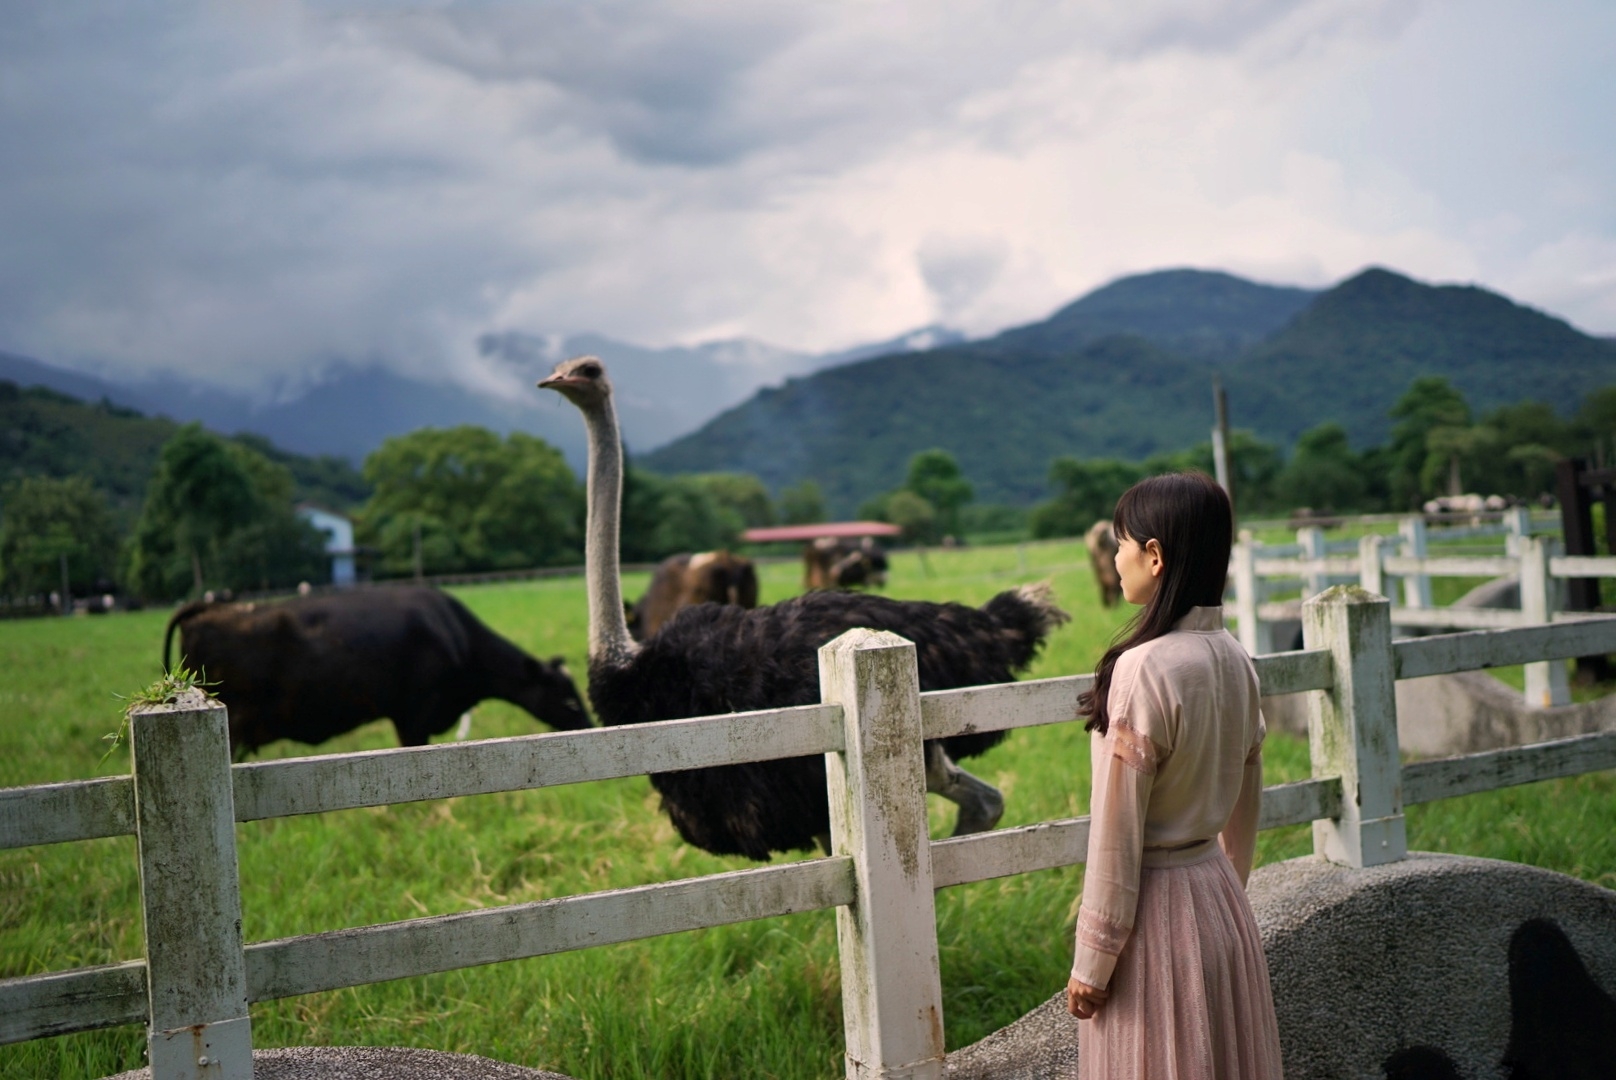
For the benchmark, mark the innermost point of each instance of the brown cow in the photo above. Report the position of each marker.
(1102, 544)
(834, 563)
(708, 577)
(316, 666)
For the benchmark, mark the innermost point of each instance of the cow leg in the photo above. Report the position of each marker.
(980, 804)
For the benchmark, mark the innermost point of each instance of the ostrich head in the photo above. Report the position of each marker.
(582, 381)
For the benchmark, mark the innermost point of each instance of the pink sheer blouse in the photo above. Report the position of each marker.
(1180, 768)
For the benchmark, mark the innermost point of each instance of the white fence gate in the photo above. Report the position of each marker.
(193, 989)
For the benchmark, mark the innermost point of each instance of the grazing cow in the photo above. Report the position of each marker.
(317, 666)
(1102, 544)
(708, 577)
(833, 563)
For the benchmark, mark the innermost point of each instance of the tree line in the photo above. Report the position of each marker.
(1437, 447)
(219, 513)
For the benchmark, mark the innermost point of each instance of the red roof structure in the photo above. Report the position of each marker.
(838, 529)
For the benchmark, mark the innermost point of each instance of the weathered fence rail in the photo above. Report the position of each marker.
(184, 797)
(1391, 564)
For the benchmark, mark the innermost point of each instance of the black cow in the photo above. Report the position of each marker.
(317, 666)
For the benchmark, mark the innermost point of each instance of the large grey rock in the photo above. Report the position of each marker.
(373, 1063)
(1368, 962)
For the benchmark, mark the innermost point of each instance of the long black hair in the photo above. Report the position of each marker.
(1189, 515)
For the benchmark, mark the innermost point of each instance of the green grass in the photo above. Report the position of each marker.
(757, 1000)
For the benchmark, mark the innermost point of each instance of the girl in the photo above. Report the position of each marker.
(1169, 976)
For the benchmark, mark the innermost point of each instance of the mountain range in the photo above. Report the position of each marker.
(1127, 371)
(1124, 371)
(667, 392)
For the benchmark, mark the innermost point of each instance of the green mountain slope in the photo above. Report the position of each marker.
(1007, 406)
(1350, 354)
(1205, 314)
(47, 433)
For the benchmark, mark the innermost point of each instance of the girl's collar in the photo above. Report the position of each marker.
(1201, 619)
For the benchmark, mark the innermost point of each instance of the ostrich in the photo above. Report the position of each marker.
(713, 658)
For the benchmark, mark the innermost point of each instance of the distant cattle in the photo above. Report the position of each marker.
(316, 666)
(1101, 542)
(834, 563)
(682, 580)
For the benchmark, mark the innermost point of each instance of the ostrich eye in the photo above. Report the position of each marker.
(590, 371)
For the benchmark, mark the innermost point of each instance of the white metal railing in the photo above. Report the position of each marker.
(193, 988)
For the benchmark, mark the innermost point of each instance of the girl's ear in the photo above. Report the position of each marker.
(1153, 558)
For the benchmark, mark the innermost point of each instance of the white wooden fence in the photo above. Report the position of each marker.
(193, 988)
(1378, 561)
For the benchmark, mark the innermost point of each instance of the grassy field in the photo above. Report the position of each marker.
(756, 1000)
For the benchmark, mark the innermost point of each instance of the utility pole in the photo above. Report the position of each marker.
(1220, 440)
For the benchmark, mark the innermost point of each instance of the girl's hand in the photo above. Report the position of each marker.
(1083, 1000)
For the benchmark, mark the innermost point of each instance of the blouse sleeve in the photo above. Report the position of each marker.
(1239, 837)
(1125, 761)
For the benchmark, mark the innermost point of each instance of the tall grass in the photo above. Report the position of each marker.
(757, 1000)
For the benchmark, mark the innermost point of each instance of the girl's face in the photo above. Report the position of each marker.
(1140, 568)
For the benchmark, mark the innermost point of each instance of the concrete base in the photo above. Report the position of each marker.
(1368, 963)
(373, 1063)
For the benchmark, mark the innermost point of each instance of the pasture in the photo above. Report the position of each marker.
(758, 999)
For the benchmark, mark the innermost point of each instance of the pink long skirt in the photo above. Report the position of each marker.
(1190, 998)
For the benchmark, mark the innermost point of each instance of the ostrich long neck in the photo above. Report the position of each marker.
(609, 640)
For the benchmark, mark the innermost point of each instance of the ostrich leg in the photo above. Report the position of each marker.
(980, 804)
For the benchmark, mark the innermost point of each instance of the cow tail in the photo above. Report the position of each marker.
(175, 620)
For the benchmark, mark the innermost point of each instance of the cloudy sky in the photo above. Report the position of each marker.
(252, 192)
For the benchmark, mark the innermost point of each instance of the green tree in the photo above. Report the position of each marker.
(665, 515)
(44, 521)
(477, 502)
(219, 514)
(1085, 492)
(1429, 403)
(741, 494)
(1324, 473)
(935, 476)
(802, 504)
(200, 492)
(1256, 465)
(914, 514)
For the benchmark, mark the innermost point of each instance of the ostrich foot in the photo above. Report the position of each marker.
(980, 804)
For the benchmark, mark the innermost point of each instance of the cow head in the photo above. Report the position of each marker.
(549, 693)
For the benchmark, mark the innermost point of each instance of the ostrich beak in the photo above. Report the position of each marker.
(556, 382)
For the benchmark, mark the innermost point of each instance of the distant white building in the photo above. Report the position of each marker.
(339, 541)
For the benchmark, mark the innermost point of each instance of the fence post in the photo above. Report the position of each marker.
(892, 999)
(1311, 540)
(1518, 526)
(1369, 571)
(1352, 727)
(1546, 681)
(1256, 635)
(1416, 587)
(196, 972)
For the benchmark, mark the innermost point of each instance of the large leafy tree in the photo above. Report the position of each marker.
(219, 514)
(1324, 473)
(475, 501)
(48, 525)
(1085, 492)
(802, 504)
(935, 476)
(1429, 404)
(740, 494)
(665, 515)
